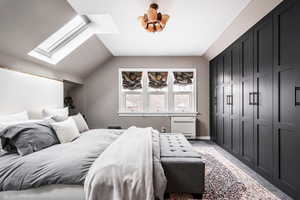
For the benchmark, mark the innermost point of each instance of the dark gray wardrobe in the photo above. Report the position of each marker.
(255, 97)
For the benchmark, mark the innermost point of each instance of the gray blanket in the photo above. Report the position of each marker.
(59, 164)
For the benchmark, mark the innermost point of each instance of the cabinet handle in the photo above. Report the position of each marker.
(227, 100)
(215, 100)
(231, 100)
(297, 92)
(255, 98)
(250, 98)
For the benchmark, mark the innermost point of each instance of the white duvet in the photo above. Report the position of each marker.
(128, 169)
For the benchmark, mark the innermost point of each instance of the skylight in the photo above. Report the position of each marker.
(63, 42)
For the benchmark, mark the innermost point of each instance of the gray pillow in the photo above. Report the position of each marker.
(27, 138)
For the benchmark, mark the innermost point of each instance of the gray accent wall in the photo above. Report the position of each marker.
(25, 66)
(98, 98)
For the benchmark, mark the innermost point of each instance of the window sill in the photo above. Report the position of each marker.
(130, 114)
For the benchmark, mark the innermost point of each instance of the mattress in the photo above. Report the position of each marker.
(50, 192)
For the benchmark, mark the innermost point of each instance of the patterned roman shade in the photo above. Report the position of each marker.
(183, 78)
(158, 80)
(132, 80)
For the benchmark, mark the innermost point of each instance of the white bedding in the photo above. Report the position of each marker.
(124, 171)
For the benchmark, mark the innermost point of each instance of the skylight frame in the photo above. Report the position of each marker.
(55, 48)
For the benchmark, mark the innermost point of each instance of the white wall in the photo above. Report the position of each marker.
(20, 91)
(98, 97)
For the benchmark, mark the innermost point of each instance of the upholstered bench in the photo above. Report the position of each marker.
(182, 165)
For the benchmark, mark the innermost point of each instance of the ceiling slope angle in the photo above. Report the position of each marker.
(193, 26)
(72, 35)
(26, 24)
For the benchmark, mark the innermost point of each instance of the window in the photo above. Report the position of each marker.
(133, 102)
(157, 103)
(63, 42)
(182, 102)
(151, 92)
(183, 91)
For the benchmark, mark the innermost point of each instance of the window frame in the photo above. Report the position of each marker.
(170, 94)
(64, 41)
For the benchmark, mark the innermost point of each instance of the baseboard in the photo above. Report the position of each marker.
(203, 137)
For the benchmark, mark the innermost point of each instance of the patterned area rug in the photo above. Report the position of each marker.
(224, 180)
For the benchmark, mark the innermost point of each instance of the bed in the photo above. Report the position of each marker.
(104, 163)
(128, 164)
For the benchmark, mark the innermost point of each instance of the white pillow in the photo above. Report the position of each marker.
(80, 122)
(58, 114)
(22, 116)
(66, 131)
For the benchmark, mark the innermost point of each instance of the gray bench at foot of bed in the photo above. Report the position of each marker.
(183, 166)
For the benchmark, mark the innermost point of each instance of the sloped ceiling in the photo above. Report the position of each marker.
(255, 11)
(193, 26)
(25, 24)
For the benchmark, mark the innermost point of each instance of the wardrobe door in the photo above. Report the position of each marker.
(220, 70)
(213, 100)
(247, 99)
(287, 96)
(220, 100)
(235, 87)
(263, 93)
(227, 98)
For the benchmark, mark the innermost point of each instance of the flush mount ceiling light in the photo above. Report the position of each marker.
(153, 21)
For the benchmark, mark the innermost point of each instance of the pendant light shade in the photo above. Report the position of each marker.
(153, 21)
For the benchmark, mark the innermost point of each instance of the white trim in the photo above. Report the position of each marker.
(162, 114)
(203, 137)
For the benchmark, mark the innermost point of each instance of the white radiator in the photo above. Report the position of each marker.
(184, 125)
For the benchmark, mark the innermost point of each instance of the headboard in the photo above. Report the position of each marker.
(20, 91)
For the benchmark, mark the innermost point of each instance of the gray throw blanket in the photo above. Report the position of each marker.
(128, 169)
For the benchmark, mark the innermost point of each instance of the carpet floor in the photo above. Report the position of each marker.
(225, 180)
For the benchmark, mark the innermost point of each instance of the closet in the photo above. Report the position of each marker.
(255, 97)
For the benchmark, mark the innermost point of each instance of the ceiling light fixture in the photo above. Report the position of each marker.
(153, 21)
